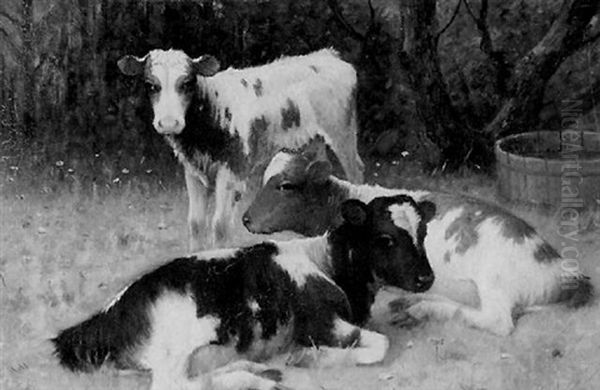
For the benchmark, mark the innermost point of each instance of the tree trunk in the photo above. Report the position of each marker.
(27, 62)
(419, 57)
(520, 112)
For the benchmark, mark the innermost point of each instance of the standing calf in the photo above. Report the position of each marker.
(199, 321)
(468, 240)
(225, 126)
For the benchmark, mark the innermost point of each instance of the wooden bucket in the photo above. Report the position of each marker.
(550, 168)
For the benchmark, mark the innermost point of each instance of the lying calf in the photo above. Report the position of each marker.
(190, 318)
(511, 266)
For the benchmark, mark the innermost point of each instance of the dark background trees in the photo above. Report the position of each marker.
(440, 80)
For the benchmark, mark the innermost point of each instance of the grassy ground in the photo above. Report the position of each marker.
(64, 254)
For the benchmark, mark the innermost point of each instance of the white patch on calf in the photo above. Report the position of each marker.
(176, 333)
(116, 298)
(303, 257)
(277, 165)
(370, 347)
(316, 94)
(506, 273)
(368, 192)
(219, 254)
(405, 217)
(169, 67)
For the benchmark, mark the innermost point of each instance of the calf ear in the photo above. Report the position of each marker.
(427, 209)
(354, 212)
(205, 66)
(319, 171)
(315, 149)
(132, 65)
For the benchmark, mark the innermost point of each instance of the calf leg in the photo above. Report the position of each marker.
(197, 196)
(493, 315)
(357, 346)
(236, 380)
(226, 187)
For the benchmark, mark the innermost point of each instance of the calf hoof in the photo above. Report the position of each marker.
(272, 374)
(404, 320)
(403, 303)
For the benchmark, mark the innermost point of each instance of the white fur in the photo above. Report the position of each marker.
(370, 348)
(303, 257)
(405, 217)
(218, 253)
(226, 207)
(168, 67)
(505, 272)
(116, 298)
(320, 84)
(317, 96)
(277, 165)
(176, 333)
(241, 379)
(368, 192)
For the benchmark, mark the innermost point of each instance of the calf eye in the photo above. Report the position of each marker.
(384, 241)
(188, 85)
(287, 186)
(152, 87)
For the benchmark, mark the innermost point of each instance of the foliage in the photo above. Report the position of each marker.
(62, 97)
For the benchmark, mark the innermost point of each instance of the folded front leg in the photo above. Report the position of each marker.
(355, 346)
(236, 380)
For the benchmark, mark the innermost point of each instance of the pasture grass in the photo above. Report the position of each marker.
(66, 250)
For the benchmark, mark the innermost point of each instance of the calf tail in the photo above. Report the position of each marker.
(86, 346)
(106, 336)
(576, 291)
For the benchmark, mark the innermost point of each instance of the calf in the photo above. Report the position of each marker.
(468, 240)
(225, 126)
(201, 320)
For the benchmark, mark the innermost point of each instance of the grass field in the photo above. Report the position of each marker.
(64, 254)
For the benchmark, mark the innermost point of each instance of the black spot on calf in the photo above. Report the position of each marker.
(258, 88)
(290, 115)
(545, 253)
(244, 83)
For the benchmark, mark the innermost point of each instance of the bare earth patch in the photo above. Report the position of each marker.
(64, 257)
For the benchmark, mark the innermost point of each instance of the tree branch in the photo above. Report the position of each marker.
(566, 35)
(588, 96)
(498, 57)
(8, 38)
(481, 23)
(337, 12)
(443, 30)
(371, 11)
(11, 18)
(591, 37)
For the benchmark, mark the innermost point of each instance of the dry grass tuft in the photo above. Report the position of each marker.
(64, 254)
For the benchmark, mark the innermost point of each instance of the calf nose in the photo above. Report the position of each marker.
(425, 281)
(168, 125)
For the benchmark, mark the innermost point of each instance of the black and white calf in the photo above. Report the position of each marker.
(469, 241)
(202, 320)
(225, 126)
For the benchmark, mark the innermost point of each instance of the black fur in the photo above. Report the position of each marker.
(222, 288)
(576, 291)
(202, 134)
(351, 271)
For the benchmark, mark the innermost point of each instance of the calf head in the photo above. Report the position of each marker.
(297, 193)
(170, 78)
(395, 227)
